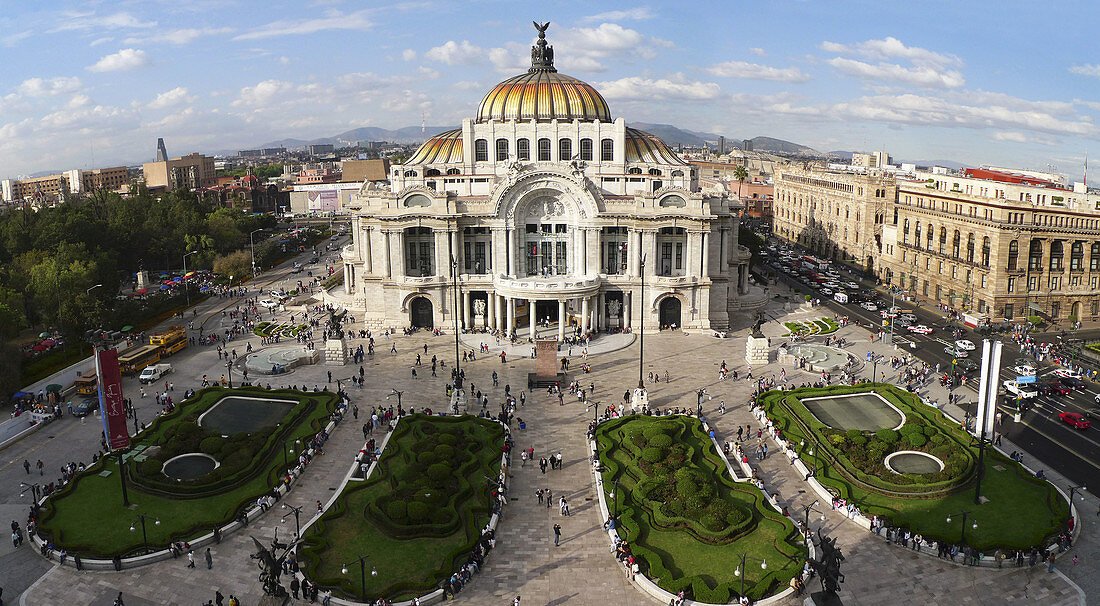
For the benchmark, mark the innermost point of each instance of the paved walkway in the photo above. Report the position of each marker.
(582, 570)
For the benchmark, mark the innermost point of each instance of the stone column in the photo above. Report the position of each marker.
(585, 316)
(500, 312)
(650, 250)
(510, 253)
(347, 278)
(466, 310)
(531, 319)
(386, 253)
(561, 320)
(704, 240)
(633, 249)
(510, 328)
(398, 254)
(626, 309)
(365, 248)
(692, 268)
(442, 253)
(490, 311)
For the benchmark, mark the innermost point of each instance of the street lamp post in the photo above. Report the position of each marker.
(186, 291)
(35, 487)
(1074, 489)
(144, 535)
(806, 509)
(362, 572)
(738, 571)
(964, 515)
(286, 451)
(454, 311)
(229, 369)
(394, 392)
(641, 324)
(252, 248)
(297, 511)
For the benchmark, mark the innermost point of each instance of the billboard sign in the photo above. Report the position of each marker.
(323, 201)
(112, 408)
(1027, 379)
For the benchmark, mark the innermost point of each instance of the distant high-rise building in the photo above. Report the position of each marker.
(319, 150)
(273, 151)
(162, 154)
(191, 172)
(249, 153)
(721, 146)
(746, 145)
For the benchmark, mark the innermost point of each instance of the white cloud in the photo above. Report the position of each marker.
(924, 76)
(890, 47)
(408, 55)
(170, 98)
(758, 51)
(674, 87)
(103, 40)
(77, 21)
(48, 87)
(427, 72)
(752, 71)
(284, 60)
(456, 53)
(466, 85)
(11, 40)
(125, 59)
(1015, 137)
(640, 13)
(262, 93)
(1087, 69)
(332, 21)
(179, 36)
(79, 100)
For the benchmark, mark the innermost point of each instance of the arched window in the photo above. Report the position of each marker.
(677, 173)
(931, 232)
(656, 172)
(916, 235)
(481, 150)
(453, 171)
(432, 172)
(1077, 256)
(418, 200)
(674, 201)
(410, 173)
(565, 149)
(955, 242)
(1056, 253)
(607, 150)
(523, 149)
(970, 248)
(502, 150)
(985, 251)
(634, 171)
(544, 150)
(1035, 256)
(1013, 255)
(586, 150)
(1094, 257)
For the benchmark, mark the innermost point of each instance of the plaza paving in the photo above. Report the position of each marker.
(581, 571)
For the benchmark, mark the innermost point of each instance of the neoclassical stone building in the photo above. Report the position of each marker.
(548, 207)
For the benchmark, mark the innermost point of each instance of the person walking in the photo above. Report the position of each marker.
(557, 534)
(294, 585)
(190, 559)
(1050, 562)
(27, 466)
(118, 600)
(219, 599)
(209, 559)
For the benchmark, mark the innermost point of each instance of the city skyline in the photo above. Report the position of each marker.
(94, 84)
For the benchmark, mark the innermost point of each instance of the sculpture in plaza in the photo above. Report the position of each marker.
(271, 565)
(756, 326)
(827, 566)
(334, 321)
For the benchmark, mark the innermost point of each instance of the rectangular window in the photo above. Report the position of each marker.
(481, 150)
(954, 272)
(1092, 282)
(544, 150)
(941, 267)
(1011, 284)
(666, 259)
(1032, 283)
(1055, 309)
(586, 150)
(607, 150)
(565, 150)
(1095, 306)
(1008, 311)
(523, 149)
(1054, 282)
(1075, 280)
(502, 150)
(983, 280)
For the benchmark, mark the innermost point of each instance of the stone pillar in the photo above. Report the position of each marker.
(490, 312)
(347, 278)
(511, 326)
(601, 312)
(704, 240)
(398, 253)
(500, 312)
(386, 253)
(692, 268)
(466, 310)
(442, 254)
(650, 250)
(585, 315)
(365, 248)
(510, 253)
(531, 319)
(562, 317)
(633, 249)
(592, 251)
(626, 309)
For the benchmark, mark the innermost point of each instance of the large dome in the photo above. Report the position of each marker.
(543, 95)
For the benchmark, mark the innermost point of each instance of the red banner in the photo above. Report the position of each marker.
(111, 406)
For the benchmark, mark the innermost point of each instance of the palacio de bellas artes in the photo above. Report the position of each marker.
(550, 208)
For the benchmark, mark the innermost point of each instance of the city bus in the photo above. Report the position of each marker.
(87, 385)
(170, 341)
(133, 360)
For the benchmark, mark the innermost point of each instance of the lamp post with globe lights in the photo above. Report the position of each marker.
(740, 571)
(362, 572)
(144, 535)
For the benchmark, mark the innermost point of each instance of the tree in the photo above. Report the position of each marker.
(237, 264)
(741, 173)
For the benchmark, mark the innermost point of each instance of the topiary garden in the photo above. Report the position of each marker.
(422, 509)
(1020, 511)
(686, 519)
(87, 516)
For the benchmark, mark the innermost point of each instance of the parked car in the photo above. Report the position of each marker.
(1075, 420)
(1054, 389)
(964, 344)
(869, 306)
(85, 407)
(920, 328)
(1073, 383)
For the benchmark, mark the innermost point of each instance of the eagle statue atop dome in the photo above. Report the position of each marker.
(542, 54)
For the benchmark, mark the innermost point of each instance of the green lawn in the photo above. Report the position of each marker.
(87, 516)
(819, 326)
(659, 468)
(419, 514)
(1022, 510)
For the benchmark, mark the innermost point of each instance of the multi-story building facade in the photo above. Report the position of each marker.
(996, 245)
(837, 215)
(109, 179)
(545, 207)
(193, 171)
(51, 189)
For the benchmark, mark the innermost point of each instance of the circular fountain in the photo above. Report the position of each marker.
(266, 360)
(189, 466)
(913, 461)
(818, 357)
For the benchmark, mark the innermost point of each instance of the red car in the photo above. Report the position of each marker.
(1075, 420)
(1054, 389)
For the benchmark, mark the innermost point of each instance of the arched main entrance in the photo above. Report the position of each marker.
(420, 312)
(669, 313)
(1075, 311)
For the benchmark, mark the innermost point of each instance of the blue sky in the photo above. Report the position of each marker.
(95, 83)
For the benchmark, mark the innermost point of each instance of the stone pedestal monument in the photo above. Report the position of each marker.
(479, 313)
(639, 399)
(757, 348)
(546, 365)
(336, 352)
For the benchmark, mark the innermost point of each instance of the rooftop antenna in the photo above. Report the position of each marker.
(423, 124)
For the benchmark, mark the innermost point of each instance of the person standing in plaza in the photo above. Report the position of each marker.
(557, 534)
(209, 559)
(294, 585)
(190, 559)
(27, 466)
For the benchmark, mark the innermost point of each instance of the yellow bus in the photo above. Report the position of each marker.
(87, 385)
(135, 359)
(171, 340)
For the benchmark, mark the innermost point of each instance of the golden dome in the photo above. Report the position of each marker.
(543, 95)
(444, 148)
(649, 149)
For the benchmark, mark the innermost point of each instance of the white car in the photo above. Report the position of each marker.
(964, 344)
(869, 306)
(278, 294)
(1065, 372)
(956, 353)
(268, 303)
(1024, 370)
(852, 285)
(921, 328)
(1021, 390)
(827, 292)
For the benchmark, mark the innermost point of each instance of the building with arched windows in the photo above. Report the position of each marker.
(550, 209)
